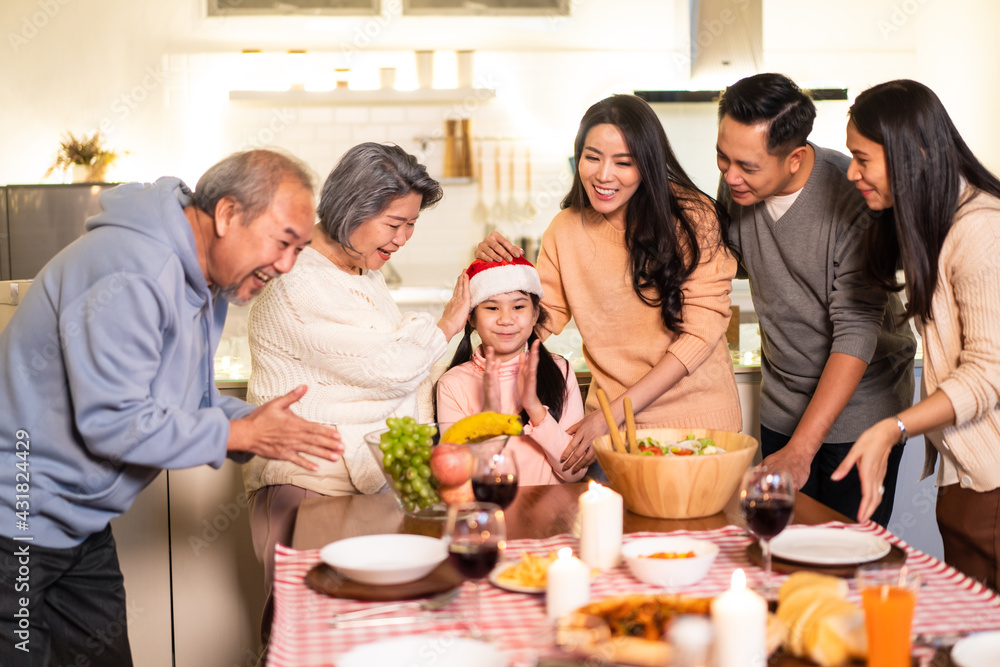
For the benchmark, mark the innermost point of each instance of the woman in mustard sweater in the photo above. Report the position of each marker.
(941, 216)
(636, 258)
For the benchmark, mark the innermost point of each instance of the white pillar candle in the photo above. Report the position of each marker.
(601, 515)
(739, 617)
(568, 585)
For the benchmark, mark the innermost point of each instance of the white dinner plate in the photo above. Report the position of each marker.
(433, 650)
(828, 546)
(978, 650)
(494, 579)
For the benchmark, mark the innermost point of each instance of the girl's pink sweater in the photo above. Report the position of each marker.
(460, 394)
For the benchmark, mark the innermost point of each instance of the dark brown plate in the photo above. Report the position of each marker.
(782, 566)
(325, 579)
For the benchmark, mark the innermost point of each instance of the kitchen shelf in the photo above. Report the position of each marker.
(344, 97)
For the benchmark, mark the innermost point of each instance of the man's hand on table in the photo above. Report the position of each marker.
(275, 432)
(796, 460)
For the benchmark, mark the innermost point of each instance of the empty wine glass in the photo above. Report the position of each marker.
(476, 534)
(767, 497)
(494, 473)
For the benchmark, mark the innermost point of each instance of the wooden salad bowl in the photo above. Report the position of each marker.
(677, 487)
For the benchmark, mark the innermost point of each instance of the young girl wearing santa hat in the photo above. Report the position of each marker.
(511, 372)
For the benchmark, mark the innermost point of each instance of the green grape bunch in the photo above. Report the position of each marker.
(406, 450)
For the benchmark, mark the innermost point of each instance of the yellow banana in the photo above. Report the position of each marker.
(485, 425)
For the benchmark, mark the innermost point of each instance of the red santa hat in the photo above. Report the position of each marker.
(487, 279)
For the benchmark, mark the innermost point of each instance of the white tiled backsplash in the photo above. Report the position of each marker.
(445, 237)
(539, 99)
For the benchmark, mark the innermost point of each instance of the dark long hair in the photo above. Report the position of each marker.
(550, 382)
(925, 157)
(658, 226)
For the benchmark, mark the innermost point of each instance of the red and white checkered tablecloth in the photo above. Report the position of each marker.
(302, 636)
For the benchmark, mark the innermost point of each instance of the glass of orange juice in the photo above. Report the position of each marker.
(889, 596)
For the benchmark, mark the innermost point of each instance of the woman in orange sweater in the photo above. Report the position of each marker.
(636, 258)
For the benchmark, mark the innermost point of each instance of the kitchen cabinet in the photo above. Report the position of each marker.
(143, 538)
(218, 585)
(194, 587)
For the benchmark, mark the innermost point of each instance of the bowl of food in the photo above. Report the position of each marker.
(679, 482)
(383, 560)
(670, 561)
(427, 471)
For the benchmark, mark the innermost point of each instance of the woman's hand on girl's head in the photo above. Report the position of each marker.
(871, 454)
(527, 384)
(496, 248)
(491, 382)
(456, 311)
(580, 451)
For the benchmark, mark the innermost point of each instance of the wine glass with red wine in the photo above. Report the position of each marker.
(494, 475)
(767, 497)
(476, 534)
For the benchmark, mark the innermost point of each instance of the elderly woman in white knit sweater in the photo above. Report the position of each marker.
(332, 325)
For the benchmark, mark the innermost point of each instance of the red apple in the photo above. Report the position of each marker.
(451, 464)
(454, 495)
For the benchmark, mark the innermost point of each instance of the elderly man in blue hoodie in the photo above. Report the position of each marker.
(107, 379)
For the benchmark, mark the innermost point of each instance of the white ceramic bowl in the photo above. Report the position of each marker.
(384, 560)
(434, 650)
(669, 572)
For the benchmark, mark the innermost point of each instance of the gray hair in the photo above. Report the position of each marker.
(366, 180)
(251, 179)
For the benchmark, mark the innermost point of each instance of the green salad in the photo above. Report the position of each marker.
(690, 446)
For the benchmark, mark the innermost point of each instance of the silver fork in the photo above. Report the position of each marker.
(392, 620)
(430, 604)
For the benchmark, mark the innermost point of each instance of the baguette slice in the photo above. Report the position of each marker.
(840, 637)
(812, 580)
(823, 644)
(799, 630)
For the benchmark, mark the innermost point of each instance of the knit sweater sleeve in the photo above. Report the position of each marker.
(974, 268)
(856, 310)
(454, 398)
(551, 435)
(554, 301)
(706, 292)
(352, 332)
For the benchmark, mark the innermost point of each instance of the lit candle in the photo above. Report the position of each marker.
(568, 585)
(739, 617)
(601, 513)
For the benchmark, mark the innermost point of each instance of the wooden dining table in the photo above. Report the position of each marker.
(537, 512)
(550, 512)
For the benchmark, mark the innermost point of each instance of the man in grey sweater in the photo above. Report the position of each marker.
(836, 356)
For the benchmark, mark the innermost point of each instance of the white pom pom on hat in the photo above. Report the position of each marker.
(487, 279)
